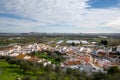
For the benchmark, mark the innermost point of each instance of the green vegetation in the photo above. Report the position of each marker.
(7, 72)
(54, 56)
(114, 70)
(112, 40)
(11, 68)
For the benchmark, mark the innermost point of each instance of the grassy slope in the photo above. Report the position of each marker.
(9, 73)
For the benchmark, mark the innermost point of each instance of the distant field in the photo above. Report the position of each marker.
(54, 38)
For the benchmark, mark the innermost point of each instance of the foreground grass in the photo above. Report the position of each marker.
(9, 73)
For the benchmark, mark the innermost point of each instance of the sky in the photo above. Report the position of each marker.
(60, 16)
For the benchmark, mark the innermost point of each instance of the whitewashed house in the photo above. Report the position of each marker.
(118, 49)
(84, 42)
(73, 41)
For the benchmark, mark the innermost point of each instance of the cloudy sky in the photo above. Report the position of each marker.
(60, 16)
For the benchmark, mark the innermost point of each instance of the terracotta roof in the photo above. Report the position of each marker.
(20, 56)
(85, 58)
(68, 63)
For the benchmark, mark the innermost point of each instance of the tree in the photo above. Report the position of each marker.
(24, 66)
(6, 58)
(72, 77)
(114, 77)
(31, 63)
(69, 71)
(40, 65)
(27, 78)
(59, 59)
(58, 69)
(41, 78)
(60, 77)
(100, 76)
(113, 70)
(73, 44)
(104, 42)
(12, 61)
(48, 68)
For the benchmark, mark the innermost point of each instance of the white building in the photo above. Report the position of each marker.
(118, 49)
(84, 42)
(73, 41)
(59, 42)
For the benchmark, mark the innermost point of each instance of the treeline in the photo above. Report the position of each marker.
(36, 71)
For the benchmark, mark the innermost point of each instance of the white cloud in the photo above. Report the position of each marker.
(16, 25)
(37, 8)
(71, 12)
(114, 24)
